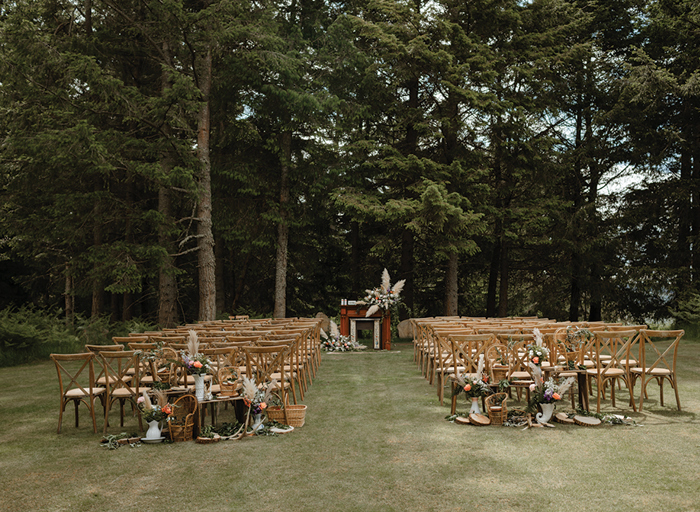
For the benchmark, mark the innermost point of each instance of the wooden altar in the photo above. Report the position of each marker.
(350, 315)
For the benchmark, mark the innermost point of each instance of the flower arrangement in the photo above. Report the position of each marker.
(194, 362)
(537, 353)
(335, 342)
(384, 297)
(549, 391)
(159, 411)
(474, 385)
(576, 337)
(255, 398)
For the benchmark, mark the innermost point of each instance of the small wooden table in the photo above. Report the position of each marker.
(581, 382)
(213, 406)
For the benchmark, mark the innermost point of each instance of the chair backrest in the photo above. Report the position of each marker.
(125, 340)
(466, 349)
(659, 349)
(116, 365)
(75, 375)
(143, 346)
(103, 348)
(262, 362)
(219, 358)
(611, 349)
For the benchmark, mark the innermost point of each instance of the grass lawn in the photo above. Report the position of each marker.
(375, 439)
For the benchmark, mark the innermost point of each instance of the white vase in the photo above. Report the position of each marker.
(257, 422)
(475, 406)
(154, 430)
(546, 414)
(199, 387)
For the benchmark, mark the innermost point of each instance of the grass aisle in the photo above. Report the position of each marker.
(374, 440)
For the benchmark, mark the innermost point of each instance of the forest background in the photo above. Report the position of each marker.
(175, 160)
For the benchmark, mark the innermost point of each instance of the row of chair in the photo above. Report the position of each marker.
(290, 354)
(604, 353)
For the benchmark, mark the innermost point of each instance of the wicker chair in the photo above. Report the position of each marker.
(497, 408)
(181, 424)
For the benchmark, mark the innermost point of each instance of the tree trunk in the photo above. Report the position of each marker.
(205, 237)
(69, 297)
(97, 282)
(493, 276)
(503, 285)
(280, 310)
(355, 265)
(575, 287)
(452, 285)
(88, 17)
(167, 282)
(407, 244)
(220, 281)
(695, 216)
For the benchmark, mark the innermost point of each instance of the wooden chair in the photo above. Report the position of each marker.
(658, 354)
(101, 379)
(466, 349)
(78, 387)
(263, 364)
(121, 386)
(445, 365)
(609, 349)
(292, 367)
(160, 366)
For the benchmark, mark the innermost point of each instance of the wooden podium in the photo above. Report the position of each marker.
(350, 315)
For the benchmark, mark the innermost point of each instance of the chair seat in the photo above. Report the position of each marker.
(127, 392)
(656, 371)
(77, 392)
(608, 372)
(521, 376)
(102, 381)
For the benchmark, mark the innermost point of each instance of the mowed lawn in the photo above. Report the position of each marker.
(375, 439)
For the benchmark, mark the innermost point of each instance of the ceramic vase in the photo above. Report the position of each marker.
(546, 414)
(257, 422)
(153, 431)
(475, 406)
(199, 387)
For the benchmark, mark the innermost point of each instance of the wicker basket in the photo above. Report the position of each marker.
(500, 372)
(296, 415)
(179, 432)
(227, 382)
(497, 409)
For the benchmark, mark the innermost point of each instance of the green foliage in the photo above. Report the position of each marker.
(28, 333)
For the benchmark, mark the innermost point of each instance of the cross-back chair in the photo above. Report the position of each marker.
(658, 354)
(76, 383)
(610, 351)
(466, 350)
(120, 385)
(264, 364)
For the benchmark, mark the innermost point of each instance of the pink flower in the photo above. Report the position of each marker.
(532, 387)
(140, 400)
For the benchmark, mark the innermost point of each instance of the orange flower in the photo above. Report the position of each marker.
(467, 387)
(167, 409)
(197, 364)
(535, 359)
(263, 405)
(556, 396)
